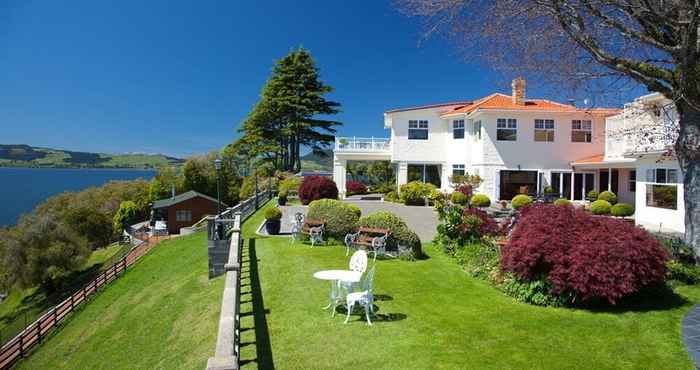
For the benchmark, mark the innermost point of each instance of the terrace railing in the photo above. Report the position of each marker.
(224, 230)
(362, 144)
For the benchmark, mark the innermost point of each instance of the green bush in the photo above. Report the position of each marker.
(622, 210)
(392, 197)
(608, 196)
(459, 198)
(600, 207)
(290, 184)
(340, 217)
(479, 259)
(521, 200)
(480, 200)
(415, 192)
(273, 214)
(355, 209)
(549, 190)
(593, 194)
(535, 291)
(562, 202)
(400, 233)
(687, 274)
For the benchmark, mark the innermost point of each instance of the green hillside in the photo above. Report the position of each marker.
(317, 162)
(28, 156)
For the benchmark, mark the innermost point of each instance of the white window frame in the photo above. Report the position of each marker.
(507, 124)
(418, 125)
(670, 175)
(582, 125)
(457, 126)
(546, 126)
(459, 168)
(476, 130)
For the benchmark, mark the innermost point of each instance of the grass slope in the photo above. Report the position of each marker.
(162, 314)
(433, 315)
(23, 306)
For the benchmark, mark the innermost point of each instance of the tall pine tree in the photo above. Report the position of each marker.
(290, 114)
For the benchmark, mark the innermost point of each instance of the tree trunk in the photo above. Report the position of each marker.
(687, 150)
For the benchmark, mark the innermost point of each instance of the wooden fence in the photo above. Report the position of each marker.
(34, 333)
(228, 224)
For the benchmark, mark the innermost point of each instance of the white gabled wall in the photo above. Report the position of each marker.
(652, 217)
(433, 150)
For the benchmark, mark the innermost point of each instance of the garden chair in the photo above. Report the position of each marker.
(297, 226)
(365, 298)
(358, 262)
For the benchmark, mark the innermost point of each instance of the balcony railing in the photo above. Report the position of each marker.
(362, 144)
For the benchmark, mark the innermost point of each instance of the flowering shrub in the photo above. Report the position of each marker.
(317, 187)
(355, 187)
(477, 224)
(465, 189)
(592, 258)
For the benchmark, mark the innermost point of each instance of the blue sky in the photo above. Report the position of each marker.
(178, 77)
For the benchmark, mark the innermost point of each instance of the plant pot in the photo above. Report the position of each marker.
(281, 201)
(273, 226)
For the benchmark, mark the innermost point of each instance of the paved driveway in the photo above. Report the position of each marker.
(422, 220)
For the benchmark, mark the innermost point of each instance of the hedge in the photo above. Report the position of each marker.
(622, 210)
(400, 233)
(341, 218)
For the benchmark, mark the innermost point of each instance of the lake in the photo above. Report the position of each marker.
(21, 189)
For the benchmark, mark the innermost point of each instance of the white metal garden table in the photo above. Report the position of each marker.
(336, 277)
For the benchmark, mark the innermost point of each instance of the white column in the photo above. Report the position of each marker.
(445, 180)
(402, 175)
(339, 172)
(609, 179)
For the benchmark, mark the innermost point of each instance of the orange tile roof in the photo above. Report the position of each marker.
(448, 106)
(590, 160)
(501, 101)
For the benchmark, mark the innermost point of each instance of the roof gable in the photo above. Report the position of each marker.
(164, 203)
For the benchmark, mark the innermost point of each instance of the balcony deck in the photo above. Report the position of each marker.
(362, 145)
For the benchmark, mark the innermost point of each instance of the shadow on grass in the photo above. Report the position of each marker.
(263, 349)
(658, 298)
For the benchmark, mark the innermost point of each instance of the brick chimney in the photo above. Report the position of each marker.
(518, 86)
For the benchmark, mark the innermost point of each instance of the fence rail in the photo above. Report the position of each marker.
(228, 224)
(34, 333)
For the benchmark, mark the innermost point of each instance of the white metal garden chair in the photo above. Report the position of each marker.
(365, 297)
(358, 261)
(297, 226)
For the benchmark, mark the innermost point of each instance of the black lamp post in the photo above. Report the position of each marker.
(217, 166)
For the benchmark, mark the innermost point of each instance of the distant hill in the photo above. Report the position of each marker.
(316, 162)
(29, 156)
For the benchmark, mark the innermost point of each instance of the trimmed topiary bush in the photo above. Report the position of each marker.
(317, 187)
(415, 192)
(355, 187)
(583, 257)
(290, 184)
(340, 217)
(521, 200)
(273, 214)
(459, 198)
(608, 196)
(622, 210)
(400, 233)
(355, 209)
(600, 207)
(480, 200)
(593, 194)
(562, 202)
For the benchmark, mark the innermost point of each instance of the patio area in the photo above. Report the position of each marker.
(430, 314)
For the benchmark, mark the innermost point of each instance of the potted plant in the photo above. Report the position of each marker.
(282, 198)
(273, 217)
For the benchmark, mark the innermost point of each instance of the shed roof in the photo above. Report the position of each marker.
(164, 203)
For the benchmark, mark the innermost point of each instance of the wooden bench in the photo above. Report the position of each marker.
(370, 238)
(313, 228)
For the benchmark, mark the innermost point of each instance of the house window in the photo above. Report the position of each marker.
(418, 130)
(581, 131)
(633, 181)
(662, 196)
(183, 215)
(544, 130)
(458, 129)
(458, 170)
(506, 129)
(662, 176)
(476, 133)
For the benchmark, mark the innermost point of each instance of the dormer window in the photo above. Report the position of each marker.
(458, 129)
(418, 130)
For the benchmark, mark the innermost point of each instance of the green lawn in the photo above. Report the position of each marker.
(162, 314)
(23, 306)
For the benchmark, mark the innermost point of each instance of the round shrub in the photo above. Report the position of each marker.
(549, 190)
(608, 196)
(355, 187)
(400, 233)
(481, 200)
(317, 187)
(593, 194)
(584, 257)
(392, 197)
(290, 184)
(355, 209)
(477, 224)
(562, 202)
(600, 207)
(521, 200)
(622, 210)
(340, 217)
(459, 198)
(415, 192)
(273, 214)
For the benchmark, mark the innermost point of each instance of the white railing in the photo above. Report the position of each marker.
(362, 144)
